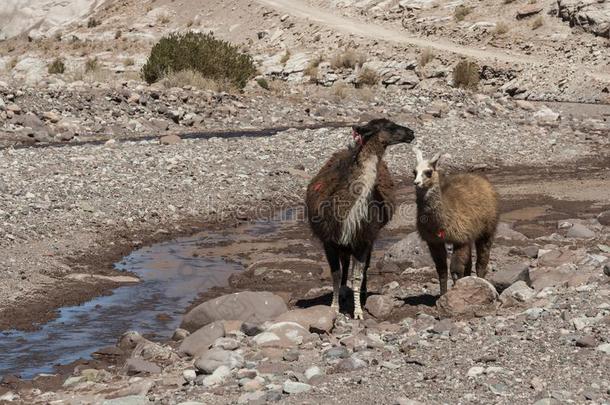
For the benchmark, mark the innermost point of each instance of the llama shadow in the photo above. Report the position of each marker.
(346, 301)
(428, 300)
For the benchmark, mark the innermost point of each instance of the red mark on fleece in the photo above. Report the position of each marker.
(317, 186)
(441, 233)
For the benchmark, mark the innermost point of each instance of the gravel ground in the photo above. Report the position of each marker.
(58, 202)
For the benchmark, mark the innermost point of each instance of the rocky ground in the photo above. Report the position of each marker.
(94, 162)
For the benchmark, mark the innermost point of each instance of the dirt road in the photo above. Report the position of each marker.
(368, 30)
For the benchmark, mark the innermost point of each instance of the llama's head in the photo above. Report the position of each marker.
(425, 174)
(385, 131)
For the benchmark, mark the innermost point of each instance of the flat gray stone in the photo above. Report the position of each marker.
(128, 400)
(294, 387)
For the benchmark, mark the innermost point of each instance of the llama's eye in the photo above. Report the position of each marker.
(428, 173)
(414, 173)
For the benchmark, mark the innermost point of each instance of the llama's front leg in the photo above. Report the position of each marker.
(358, 273)
(336, 289)
(335, 270)
(439, 255)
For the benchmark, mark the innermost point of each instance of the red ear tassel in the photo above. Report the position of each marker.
(357, 137)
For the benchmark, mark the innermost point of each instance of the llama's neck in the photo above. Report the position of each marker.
(361, 187)
(430, 203)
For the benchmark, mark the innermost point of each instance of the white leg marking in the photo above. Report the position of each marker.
(357, 284)
(336, 289)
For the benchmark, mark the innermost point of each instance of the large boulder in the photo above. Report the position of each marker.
(567, 274)
(517, 293)
(247, 306)
(470, 296)
(380, 306)
(319, 318)
(200, 341)
(506, 276)
(504, 231)
(209, 361)
(591, 15)
(411, 251)
(283, 335)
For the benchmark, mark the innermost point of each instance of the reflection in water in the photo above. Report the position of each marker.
(171, 277)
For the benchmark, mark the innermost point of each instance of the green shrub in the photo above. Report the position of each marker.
(57, 67)
(466, 74)
(263, 83)
(213, 58)
(92, 23)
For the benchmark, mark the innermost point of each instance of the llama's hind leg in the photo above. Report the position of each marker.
(439, 255)
(345, 258)
(483, 251)
(468, 266)
(460, 260)
(332, 256)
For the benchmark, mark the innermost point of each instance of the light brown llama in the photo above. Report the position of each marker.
(351, 199)
(459, 209)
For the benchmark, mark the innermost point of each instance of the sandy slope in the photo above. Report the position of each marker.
(18, 16)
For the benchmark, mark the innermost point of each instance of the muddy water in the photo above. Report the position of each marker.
(171, 276)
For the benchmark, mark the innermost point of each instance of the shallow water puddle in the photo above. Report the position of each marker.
(171, 275)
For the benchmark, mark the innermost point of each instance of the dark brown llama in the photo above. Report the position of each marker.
(459, 209)
(351, 199)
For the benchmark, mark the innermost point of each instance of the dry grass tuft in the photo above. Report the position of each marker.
(368, 77)
(501, 28)
(56, 67)
(91, 65)
(192, 78)
(10, 65)
(347, 59)
(461, 12)
(427, 55)
(312, 69)
(340, 90)
(538, 22)
(128, 62)
(285, 57)
(92, 23)
(163, 19)
(466, 74)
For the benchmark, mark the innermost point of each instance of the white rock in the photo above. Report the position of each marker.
(475, 371)
(293, 387)
(545, 114)
(312, 372)
(189, 375)
(217, 377)
(604, 348)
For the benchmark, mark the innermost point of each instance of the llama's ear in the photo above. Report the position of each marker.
(418, 154)
(434, 160)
